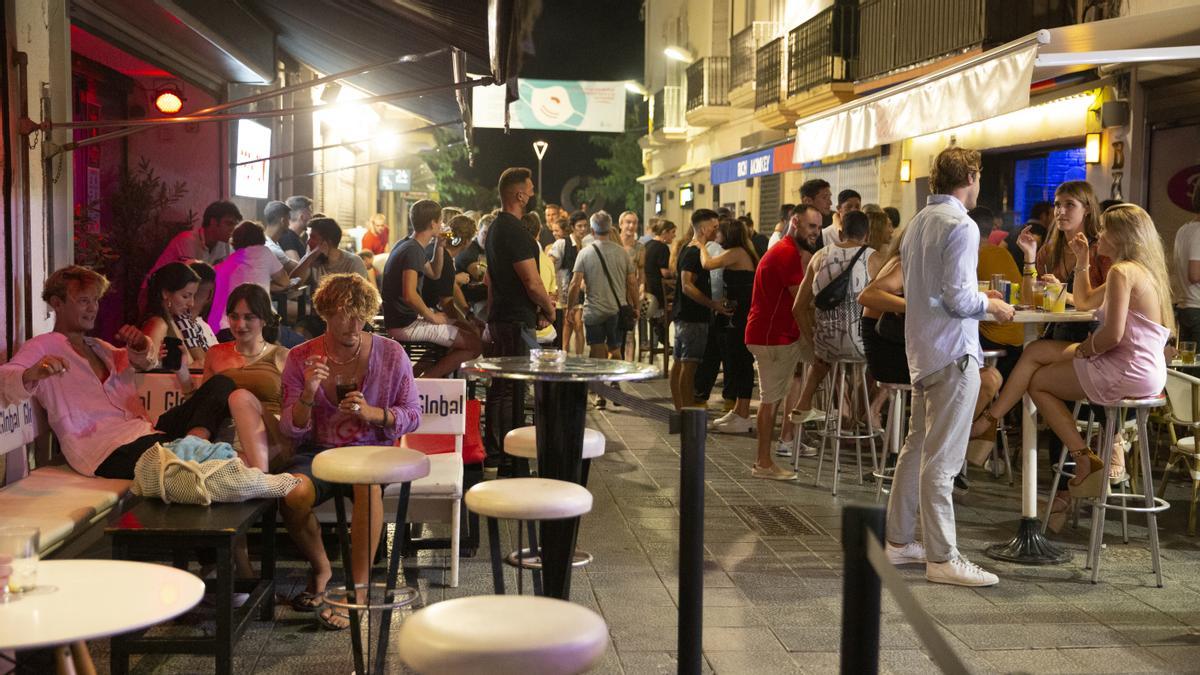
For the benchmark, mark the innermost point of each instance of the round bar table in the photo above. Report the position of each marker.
(94, 599)
(560, 409)
(1030, 546)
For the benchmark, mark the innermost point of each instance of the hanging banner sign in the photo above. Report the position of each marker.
(558, 105)
(761, 163)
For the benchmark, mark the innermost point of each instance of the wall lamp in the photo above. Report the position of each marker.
(677, 53)
(1091, 148)
(905, 170)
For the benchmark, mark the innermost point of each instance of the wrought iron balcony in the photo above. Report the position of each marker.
(823, 49)
(743, 48)
(768, 72)
(666, 111)
(904, 33)
(708, 82)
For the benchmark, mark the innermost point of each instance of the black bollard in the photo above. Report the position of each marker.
(691, 541)
(861, 602)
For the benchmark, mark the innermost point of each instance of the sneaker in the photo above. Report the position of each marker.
(736, 425)
(783, 449)
(959, 572)
(601, 404)
(774, 472)
(723, 419)
(961, 485)
(807, 450)
(807, 416)
(911, 553)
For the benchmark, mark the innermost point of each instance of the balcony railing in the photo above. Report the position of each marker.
(743, 48)
(768, 72)
(666, 110)
(904, 33)
(708, 82)
(823, 49)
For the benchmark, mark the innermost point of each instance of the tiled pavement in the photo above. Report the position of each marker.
(773, 604)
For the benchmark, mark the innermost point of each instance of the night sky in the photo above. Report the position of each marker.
(574, 40)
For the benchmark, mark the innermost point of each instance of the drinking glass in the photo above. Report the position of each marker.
(20, 543)
(344, 384)
(1039, 294)
(1187, 352)
(1056, 298)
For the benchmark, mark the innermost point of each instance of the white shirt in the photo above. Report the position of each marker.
(939, 255)
(189, 245)
(775, 237)
(249, 265)
(1187, 248)
(830, 236)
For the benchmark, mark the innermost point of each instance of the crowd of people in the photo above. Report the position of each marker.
(837, 281)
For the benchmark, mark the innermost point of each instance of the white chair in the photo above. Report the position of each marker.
(437, 498)
(1183, 394)
(503, 635)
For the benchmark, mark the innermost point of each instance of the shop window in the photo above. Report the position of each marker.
(1036, 178)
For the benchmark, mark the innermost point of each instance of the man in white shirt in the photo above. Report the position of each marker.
(781, 228)
(847, 202)
(208, 241)
(1187, 273)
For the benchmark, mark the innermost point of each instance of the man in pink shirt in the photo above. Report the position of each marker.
(86, 385)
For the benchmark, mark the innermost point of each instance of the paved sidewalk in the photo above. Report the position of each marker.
(773, 602)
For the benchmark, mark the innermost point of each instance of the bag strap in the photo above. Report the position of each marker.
(608, 276)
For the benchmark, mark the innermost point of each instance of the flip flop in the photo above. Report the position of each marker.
(327, 623)
(307, 602)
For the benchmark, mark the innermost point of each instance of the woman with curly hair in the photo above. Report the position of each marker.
(381, 407)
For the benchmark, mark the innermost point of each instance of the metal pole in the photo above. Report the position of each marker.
(691, 542)
(860, 590)
(540, 195)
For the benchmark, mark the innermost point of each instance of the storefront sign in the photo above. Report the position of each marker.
(253, 143)
(561, 105)
(16, 426)
(761, 163)
(1183, 185)
(160, 392)
(395, 180)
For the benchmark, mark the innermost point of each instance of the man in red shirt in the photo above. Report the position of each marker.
(771, 332)
(376, 238)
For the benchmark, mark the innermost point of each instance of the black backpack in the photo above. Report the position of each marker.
(834, 293)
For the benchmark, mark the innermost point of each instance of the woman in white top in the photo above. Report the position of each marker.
(250, 263)
(170, 295)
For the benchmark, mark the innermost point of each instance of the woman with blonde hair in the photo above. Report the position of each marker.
(880, 232)
(1123, 358)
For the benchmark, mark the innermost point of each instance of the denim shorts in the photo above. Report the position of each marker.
(604, 332)
(691, 339)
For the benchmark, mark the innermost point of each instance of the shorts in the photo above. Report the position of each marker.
(691, 339)
(301, 464)
(421, 330)
(776, 366)
(604, 332)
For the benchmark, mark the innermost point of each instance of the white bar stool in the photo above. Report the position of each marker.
(832, 435)
(1151, 506)
(503, 635)
(371, 465)
(899, 398)
(524, 499)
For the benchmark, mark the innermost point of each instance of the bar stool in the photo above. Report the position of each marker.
(1152, 505)
(371, 465)
(524, 499)
(1087, 428)
(990, 358)
(522, 442)
(832, 435)
(899, 398)
(503, 634)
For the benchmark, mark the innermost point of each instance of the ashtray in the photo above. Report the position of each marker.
(547, 357)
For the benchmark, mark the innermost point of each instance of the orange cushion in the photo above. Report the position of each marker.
(436, 444)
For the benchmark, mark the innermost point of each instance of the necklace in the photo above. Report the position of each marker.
(255, 355)
(353, 358)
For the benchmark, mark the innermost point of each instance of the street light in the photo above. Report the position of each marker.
(635, 87)
(677, 53)
(539, 149)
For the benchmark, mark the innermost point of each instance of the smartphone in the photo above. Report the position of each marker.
(172, 358)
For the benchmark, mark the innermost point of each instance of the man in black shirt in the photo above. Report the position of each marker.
(405, 314)
(518, 304)
(693, 309)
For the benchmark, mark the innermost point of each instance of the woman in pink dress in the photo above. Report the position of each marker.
(1123, 358)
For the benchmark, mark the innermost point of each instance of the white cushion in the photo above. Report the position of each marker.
(503, 635)
(1187, 445)
(370, 465)
(522, 442)
(529, 499)
(57, 500)
(445, 479)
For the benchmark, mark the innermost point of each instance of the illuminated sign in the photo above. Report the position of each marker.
(253, 143)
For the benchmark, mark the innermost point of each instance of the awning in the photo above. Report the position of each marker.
(993, 83)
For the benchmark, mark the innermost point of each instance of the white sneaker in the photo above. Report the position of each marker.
(959, 572)
(911, 553)
(783, 449)
(736, 425)
(806, 416)
(807, 450)
(723, 419)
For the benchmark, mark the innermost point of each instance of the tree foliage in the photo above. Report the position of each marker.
(448, 163)
(620, 166)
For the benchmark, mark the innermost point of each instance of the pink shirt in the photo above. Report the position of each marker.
(90, 418)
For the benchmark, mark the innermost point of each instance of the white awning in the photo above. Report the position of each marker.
(995, 82)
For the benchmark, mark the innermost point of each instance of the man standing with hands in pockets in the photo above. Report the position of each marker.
(941, 329)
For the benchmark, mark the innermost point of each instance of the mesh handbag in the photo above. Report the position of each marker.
(160, 473)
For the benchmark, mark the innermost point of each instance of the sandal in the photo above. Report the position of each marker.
(1116, 472)
(329, 621)
(307, 602)
(1090, 485)
(979, 448)
(1060, 508)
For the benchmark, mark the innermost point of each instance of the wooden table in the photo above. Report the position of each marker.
(1030, 546)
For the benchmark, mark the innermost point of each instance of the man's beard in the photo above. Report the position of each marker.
(802, 243)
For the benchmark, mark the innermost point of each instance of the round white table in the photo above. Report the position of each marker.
(1029, 546)
(95, 599)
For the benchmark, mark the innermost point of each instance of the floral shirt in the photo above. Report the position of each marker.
(387, 383)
